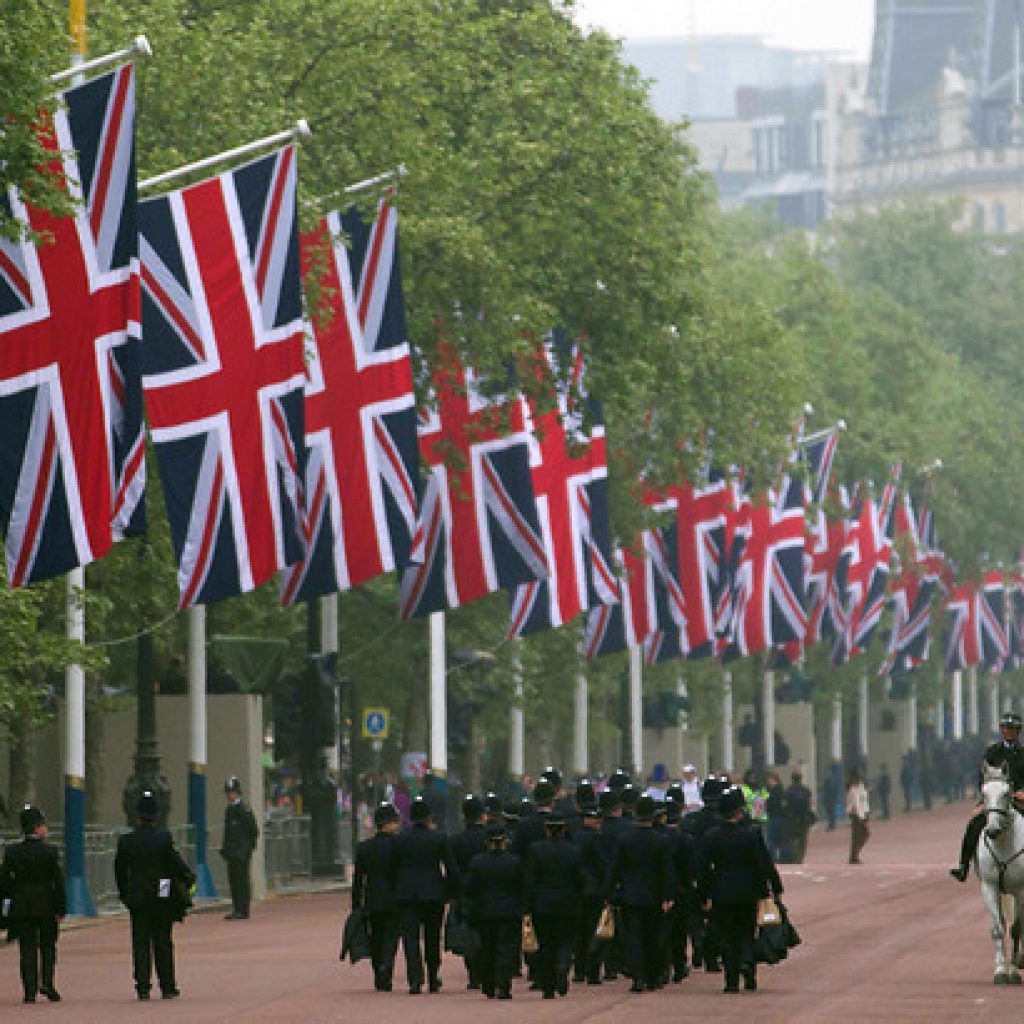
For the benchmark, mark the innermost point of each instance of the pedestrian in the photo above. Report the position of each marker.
(641, 881)
(152, 882)
(554, 883)
(907, 783)
(699, 825)
(756, 795)
(691, 790)
(883, 787)
(857, 810)
(736, 872)
(799, 817)
(426, 878)
(373, 890)
(31, 878)
(240, 835)
(777, 813)
(830, 794)
(465, 845)
(493, 891)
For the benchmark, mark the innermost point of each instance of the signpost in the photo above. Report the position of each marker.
(376, 723)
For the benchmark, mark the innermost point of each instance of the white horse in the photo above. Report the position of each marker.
(1000, 865)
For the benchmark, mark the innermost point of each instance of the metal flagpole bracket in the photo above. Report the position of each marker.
(297, 131)
(378, 179)
(139, 48)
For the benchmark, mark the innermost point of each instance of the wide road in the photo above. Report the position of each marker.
(892, 940)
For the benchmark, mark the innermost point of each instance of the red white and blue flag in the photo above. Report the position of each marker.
(72, 467)
(615, 627)
(569, 467)
(478, 529)
(361, 448)
(992, 620)
(963, 635)
(224, 374)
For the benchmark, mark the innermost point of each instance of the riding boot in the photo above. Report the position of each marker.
(969, 847)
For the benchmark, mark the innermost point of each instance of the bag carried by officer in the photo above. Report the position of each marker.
(768, 912)
(605, 929)
(529, 942)
(355, 937)
(460, 937)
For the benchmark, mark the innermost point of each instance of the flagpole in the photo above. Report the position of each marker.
(863, 714)
(581, 739)
(298, 130)
(76, 887)
(957, 704)
(198, 754)
(972, 701)
(636, 720)
(378, 179)
(728, 723)
(516, 753)
(139, 48)
(768, 716)
(438, 699)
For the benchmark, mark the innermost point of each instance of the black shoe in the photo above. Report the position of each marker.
(562, 986)
(611, 976)
(143, 993)
(578, 977)
(594, 979)
(28, 999)
(680, 973)
(712, 967)
(750, 982)
(731, 988)
(170, 993)
(434, 984)
(414, 990)
(637, 986)
(50, 992)
(549, 995)
(960, 872)
(504, 992)
(535, 986)
(473, 986)
(236, 916)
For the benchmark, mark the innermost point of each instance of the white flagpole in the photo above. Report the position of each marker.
(298, 130)
(636, 720)
(728, 723)
(768, 714)
(438, 697)
(581, 739)
(378, 179)
(139, 48)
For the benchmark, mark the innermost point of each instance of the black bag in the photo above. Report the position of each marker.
(774, 942)
(355, 937)
(180, 898)
(460, 937)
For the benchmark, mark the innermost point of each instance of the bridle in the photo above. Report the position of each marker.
(1004, 813)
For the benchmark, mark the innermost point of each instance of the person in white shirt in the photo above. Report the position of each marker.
(857, 809)
(691, 790)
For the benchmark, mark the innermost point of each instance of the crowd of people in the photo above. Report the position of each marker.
(612, 882)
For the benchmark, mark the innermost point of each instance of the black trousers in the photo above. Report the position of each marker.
(686, 929)
(734, 928)
(383, 946)
(645, 943)
(588, 954)
(859, 835)
(499, 952)
(556, 935)
(414, 920)
(972, 834)
(37, 944)
(239, 884)
(151, 943)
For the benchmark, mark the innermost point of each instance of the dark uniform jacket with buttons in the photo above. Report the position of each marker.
(493, 886)
(240, 831)
(31, 878)
(425, 869)
(641, 874)
(373, 882)
(1010, 754)
(595, 859)
(554, 878)
(144, 857)
(465, 845)
(736, 867)
(529, 831)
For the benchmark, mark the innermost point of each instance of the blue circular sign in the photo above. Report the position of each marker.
(375, 723)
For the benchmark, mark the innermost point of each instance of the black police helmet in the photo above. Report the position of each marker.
(492, 803)
(629, 795)
(646, 807)
(618, 779)
(553, 775)
(233, 785)
(585, 793)
(1010, 719)
(675, 792)
(608, 800)
(30, 817)
(419, 811)
(385, 814)
(731, 801)
(472, 808)
(543, 792)
(146, 806)
(712, 789)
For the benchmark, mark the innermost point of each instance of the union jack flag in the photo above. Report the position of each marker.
(224, 374)
(995, 641)
(570, 481)
(72, 467)
(614, 627)
(963, 636)
(768, 584)
(818, 456)
(361, 455)
(478, 528)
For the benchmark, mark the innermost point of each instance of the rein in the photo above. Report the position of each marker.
(1001, 865)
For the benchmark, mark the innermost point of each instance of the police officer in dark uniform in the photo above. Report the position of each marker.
(641, 881)
(425, 879)
(465, 845)
(736, 872)
(595, 859)
(240, 834)
(697, 825)
(1007, 751)
(613, 826)
(493, 894)
(531, 827)
(685, 913)
(31, 878)
(373, 890)
(553, 886)
(146, 868)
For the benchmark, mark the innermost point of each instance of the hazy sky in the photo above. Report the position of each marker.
(843, 25)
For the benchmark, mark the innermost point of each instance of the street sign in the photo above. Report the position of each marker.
(375, 723)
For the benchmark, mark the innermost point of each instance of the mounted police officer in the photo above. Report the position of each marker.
(1007, 751)
(240, 834)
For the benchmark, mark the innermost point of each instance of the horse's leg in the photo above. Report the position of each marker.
(990, 894)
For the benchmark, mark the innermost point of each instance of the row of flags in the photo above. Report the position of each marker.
(292, 446)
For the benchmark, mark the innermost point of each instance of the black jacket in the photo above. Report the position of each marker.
(31, 878)
(595, 859)
(554, 878)
(529, 830)
(493, 886)
(736, 866)
(373, 883)
(240, 831)
(425, 869)
(465, 845)
(144, 857)
(641, 874)
(1013, 755)
(685, 867)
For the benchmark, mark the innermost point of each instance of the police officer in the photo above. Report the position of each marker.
(554, 883)
(531, 827)
(684, 918)
(595, 859)
(425, 879)
(613, 826)
(240, 834)
(492, 891)
(641, 881)
(373, 890)
(146, 868)
(697, 825)
(736, 872)
(1007, 751)
(32, 880)
(465, 845)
